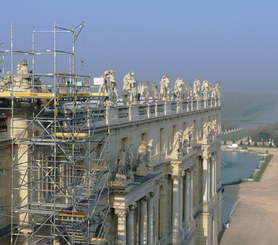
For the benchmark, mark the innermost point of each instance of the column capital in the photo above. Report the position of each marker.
(121, 212)
(132, 207)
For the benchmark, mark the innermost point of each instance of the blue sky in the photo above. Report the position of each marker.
(235, 42)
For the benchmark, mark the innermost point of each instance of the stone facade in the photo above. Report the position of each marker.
(163, 159)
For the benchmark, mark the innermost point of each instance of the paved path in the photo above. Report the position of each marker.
(255, 219)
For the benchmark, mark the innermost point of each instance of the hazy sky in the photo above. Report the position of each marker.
(235, 42)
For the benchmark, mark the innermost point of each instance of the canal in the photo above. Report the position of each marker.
(237, 165)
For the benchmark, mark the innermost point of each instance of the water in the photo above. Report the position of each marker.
(238, 165)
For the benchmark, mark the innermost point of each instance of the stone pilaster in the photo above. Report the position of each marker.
(150, 215)
(143, 222)
(175, 209)
(121, 226)
(130, 225)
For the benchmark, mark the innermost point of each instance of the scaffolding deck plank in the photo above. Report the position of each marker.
(72, 214)
(76, 134)
(91, 166)
(29, 95)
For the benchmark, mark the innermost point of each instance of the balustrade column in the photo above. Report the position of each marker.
(143, 222)
(121, 226)
(130, 225)
(150, 219)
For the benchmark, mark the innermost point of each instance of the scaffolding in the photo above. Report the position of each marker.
(59, 169)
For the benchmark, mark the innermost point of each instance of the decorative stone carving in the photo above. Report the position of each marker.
(22, 80)
(177, 144)
(179, 89)
(205, 89)
(196, 88)
(209, 130)
(144, 155)
(165, 88)
(109, 87)
(155, 92)
(144, 91)
(124, 164)
(188, 92)
(130, 93)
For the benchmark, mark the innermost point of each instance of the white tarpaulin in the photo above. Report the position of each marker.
(98, 81)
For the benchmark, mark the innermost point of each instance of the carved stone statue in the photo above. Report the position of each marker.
(207, 130)
(165, 88)
(22, 80)
(144, 153)
(144, 91)
(124, 165)
(177, 144)
(109, 86)
(129, 92)
(155, 92)
(196, 88)
(188, 92)
(187, 135)
(205, 89)
(179, 89)
(217, 89)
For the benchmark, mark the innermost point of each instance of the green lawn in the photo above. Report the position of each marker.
(236, 135)
(262, 169)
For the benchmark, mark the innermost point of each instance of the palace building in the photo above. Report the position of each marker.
(83, 161)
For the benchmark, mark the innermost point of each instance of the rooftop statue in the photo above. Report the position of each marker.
(179, 89)
(144, 91)
(155, 92)
(130, 92)
(188, 92)
(22, 80)
(165, 88)
(217, 88)
(205, 89)
(109, 86)
(196, 88)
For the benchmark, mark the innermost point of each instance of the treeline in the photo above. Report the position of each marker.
(265, 133)
(240, 109)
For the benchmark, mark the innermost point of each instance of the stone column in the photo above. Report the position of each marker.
(143, 221)
(181, 200)
(191, 194)
(212, 176)
(130, 225)
(175, 210)
(187, 197)
(121, 226)
(209, 178)
(150, 219)
(156, 211)
(205, 179)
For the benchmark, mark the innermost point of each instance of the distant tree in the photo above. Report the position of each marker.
(225, 142)
(256, 143)
(241, 142)
(234, 141)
